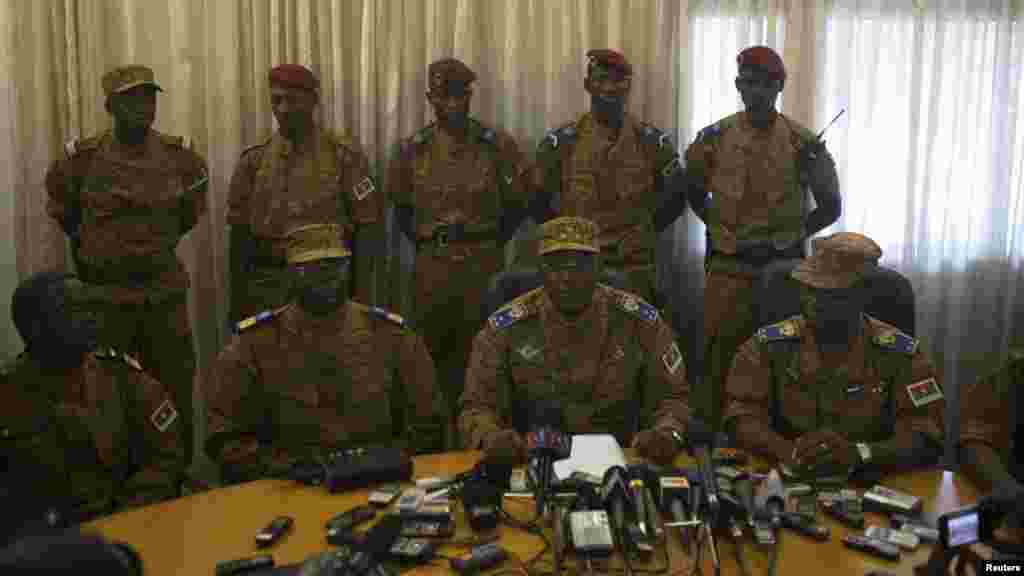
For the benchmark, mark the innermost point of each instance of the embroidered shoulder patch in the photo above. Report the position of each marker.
(924, 392)
(164, 415)
(672, 358)
(637, 306)
(785, 330)
(387, 315)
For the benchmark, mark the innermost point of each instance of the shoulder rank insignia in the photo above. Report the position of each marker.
(508, 315)
(637, 306)
(105, 353)
(261, 318)
(132, 362)
(564, 134)
(785, 330)
(164, 415)
(386, 315)
(894, 339)
(653, 134)
(709, 132)
(924, 392)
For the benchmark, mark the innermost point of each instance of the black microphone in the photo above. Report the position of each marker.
(615, 495)
(545, 443)
(675, 496)
(701, 439)
(770, 500)
(637, 478)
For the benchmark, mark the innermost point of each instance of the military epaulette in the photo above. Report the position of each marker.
(424, 135)
(633, 304)
(386, 315)
(515, 310)
(788, 329)
(709, 132)
(559, 135)
(257, 320)
(891, 338)
(255, 146)
(73, 147)
(653, 135)
(111, 354)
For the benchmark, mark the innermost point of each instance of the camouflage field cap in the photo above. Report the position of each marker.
(838, 261)
(125, 78)
(604, 62)
(316, 242)
(449, 75)
(568, 233)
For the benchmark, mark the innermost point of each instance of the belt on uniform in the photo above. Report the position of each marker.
(446, 234)
(793, 252)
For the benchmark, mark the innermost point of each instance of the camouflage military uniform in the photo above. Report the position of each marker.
(777, 377)
(276, 188)
(988, 414)
(614, 183)
(126, 210)
(615, 366)
(107, 435)
(757, 196)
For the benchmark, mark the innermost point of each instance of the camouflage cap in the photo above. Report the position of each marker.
(125, 78)
(449, 73)
(608, 62)
(316, 242)
(568, 233)
(838, 261)
(763, 58)
(293, 75)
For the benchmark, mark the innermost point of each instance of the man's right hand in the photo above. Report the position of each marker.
(505, 447)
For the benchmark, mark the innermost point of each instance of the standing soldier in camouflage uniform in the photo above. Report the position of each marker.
(601, 353)
(834, 387)
(748, 176)
(301, 174)
(457, 190)
(321, 373)
(125, 198)
(615, 170)
(81, 426)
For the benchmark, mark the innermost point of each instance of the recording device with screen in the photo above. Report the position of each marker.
(591, 532)
(960, 528)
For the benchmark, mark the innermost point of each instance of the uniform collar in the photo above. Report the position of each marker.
(298, 321)
(810, 356)
(550, 315)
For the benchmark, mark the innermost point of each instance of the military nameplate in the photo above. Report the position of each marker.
(363, 188)
(507, 316)
(672, 358)
(164, 416)
(924, 392)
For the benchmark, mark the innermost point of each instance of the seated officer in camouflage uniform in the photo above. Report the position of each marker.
(992, 430)
(100, 434)
(834, 388)
(321, 373)
(603, 354)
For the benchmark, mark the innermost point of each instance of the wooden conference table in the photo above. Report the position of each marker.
(188, 536)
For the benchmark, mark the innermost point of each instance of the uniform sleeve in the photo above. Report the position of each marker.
(162, 460)
(424, 409)
(514, 174)
(364, 200)
(398, 178)
(984, 408)
(927, 416)
(60, 185)
(485, 376)
(667, 387)
(241, 187)
(365, 207)
(196, 179)
(748, 386)
(233, 404)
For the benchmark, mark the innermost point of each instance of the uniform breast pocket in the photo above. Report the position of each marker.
(798, 405)
(530, 377)
(634, 183)
(861, 413)
(104, 198)
(581, 189)
(368, 413)
(613, 398)
(296, 412)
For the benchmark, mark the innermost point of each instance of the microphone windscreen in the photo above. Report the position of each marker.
(546, 414)
(698, 433)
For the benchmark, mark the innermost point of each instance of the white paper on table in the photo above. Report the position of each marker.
(591, 453)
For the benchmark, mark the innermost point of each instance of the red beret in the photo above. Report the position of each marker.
(449, 71)
(293, 75)
(610, 60)
(764, 58)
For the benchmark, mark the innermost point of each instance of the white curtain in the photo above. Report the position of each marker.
(931, 155)
(930, 151)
